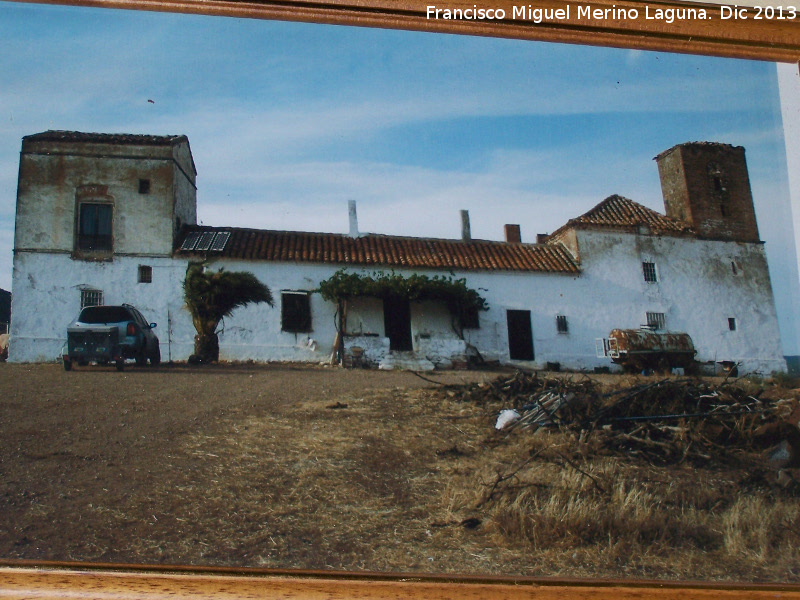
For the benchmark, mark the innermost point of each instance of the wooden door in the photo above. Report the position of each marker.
(520, 334)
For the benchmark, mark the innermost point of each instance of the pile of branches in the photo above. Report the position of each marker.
(672, 420)
(519, 389)
(666, 421)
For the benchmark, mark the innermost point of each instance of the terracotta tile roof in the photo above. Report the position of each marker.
(385, 251)
(106, 138)
(617, 212)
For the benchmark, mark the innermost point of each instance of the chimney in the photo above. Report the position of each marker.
(351, 208)
(541, 238)
(513, 234)
(466, 234)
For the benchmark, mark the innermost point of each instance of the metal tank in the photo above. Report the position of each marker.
(641, 349)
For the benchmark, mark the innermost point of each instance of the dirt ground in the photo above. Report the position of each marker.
(272, 466)
(225, 465)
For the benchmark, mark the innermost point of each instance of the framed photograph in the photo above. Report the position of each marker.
(500, 125)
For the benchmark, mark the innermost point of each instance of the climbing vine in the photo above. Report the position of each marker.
(459, 299)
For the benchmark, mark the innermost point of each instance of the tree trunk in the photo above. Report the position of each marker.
(342, 329)
(206, 348)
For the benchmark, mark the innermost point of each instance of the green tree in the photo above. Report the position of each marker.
(213, 295)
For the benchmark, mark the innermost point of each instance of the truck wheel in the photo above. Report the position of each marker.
(67, 365)
(155, 357)
(120, 365)
(141, 357)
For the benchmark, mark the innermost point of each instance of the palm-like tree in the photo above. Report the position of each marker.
(212, 295)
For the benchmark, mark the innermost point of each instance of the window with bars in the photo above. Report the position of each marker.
(656, 320)
(295, 311)
(649, 271)
(145, 274)
(561, 324)
(91, 298)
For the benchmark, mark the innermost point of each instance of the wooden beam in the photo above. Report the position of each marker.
(133, 584)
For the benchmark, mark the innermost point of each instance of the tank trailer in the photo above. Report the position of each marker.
(637, 350)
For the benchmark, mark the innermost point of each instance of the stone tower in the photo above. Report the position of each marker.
(706, 185)
(95, 196)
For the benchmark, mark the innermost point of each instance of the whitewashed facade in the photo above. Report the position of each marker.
(708, 280)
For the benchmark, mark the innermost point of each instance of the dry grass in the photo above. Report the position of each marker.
(392, 480)
(601, 516)
(300, 468)
(319, 487)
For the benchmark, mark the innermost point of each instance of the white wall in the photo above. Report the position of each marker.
(47, 294)
(697, 291)
(47, 298)
(254, 332)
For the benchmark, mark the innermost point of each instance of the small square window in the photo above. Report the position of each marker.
(656, 320)
(470, 319)
(145, 274)
(649, 271)
(144, 186)
(91, 298)
(731, 323)
(561, 324)
(295, 312)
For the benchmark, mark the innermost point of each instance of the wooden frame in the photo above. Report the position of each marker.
(763, 39)
(773, 40)
(67, 582)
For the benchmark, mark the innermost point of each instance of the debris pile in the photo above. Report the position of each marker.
(519, 389)
(667, 421)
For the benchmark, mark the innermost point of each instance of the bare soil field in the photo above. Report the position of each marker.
(292, 466)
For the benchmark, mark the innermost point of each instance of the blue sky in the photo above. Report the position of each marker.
(288, 121)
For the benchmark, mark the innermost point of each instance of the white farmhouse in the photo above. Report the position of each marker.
(105, 218)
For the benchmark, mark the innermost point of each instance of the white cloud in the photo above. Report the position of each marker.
(400, 200)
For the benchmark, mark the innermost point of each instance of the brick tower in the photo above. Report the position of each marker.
(706, 185)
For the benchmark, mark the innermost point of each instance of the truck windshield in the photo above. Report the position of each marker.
(104, 314)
